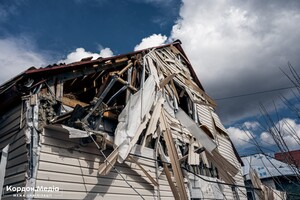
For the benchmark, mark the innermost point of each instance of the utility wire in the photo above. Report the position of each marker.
(254, 93)
(114, 166)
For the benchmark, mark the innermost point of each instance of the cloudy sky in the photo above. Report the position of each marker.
(236, 47)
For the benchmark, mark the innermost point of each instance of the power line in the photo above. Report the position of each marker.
(254, 93)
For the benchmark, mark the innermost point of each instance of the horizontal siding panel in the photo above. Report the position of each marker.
(16, 170)
(9, 193)
(14, 179)
(205, 117)
(10, 133)
(226, 150)
(102, 180)
(9, 127)
(77, 170)
(95, 196)
(17, 143)
(21, 159)
(10, 116)
(63, 162)
(218, 122)
(80, 187)
(17, 151)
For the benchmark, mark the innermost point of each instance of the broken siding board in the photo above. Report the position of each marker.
(205, 117)
(225, 148)
(218, 122)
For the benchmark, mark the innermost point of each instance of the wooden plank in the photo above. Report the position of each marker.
(153, 121)
(172, 185)
(173, 157)
(167, 80)
(125, 68)
(109, 162)
(145, 172)
(72, 102)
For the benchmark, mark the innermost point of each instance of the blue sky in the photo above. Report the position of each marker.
(236, 47)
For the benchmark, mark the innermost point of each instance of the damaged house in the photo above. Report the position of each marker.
(138, 126)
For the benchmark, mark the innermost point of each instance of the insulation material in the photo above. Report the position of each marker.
(133, 115)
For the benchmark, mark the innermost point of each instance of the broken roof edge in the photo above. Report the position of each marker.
(176, 43)
(8, 88)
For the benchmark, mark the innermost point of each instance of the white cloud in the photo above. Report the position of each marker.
(151, 41)
(288, 129)
(251, 125)
(235, 47)
(239, 137)
(80, 53)
(18, 55)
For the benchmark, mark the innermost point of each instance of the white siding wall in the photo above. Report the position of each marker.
(226, 150)
(10, 133)
(74, 169)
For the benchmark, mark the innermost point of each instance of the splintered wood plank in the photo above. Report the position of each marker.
(73, 102)
(173, 157)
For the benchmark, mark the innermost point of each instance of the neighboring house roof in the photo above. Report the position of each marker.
(266, 166)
